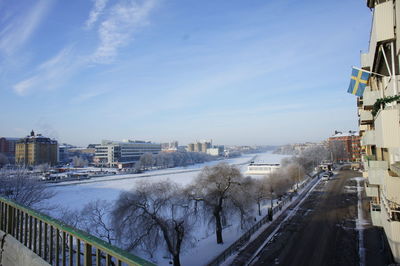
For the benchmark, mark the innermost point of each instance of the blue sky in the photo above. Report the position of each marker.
(238, 72)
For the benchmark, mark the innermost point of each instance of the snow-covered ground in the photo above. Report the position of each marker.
(76, 194)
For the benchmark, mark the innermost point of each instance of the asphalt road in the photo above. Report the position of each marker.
(321, 232)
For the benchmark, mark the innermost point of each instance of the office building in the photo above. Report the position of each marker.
(123, 153)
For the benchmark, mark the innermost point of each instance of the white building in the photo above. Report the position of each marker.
(262, 168)
(216, 151)
(379, 124)
(123, 153)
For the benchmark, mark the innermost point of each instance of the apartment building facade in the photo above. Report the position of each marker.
(123, 153)
(199, 146)
(379, 120)
(345, 146)
(7, 147)
(36, 149)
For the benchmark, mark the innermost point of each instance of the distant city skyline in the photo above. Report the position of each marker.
(245, 73)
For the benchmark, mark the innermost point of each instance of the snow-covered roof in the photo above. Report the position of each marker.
(345, 134)
(11, 139)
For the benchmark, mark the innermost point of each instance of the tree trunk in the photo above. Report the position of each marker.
(259, 208)
(218, 225)
(176, 259)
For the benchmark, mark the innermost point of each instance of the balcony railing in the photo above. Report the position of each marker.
(377, 170)
(58, 243)
(392, 208)
(387, 128)
(395, 168)
(371, 191)
(365, 117)
(370, 97)
(376, 214)
(368, 138)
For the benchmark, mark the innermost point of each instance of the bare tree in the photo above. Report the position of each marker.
(295, 172)
(338, 151)
(146, 160)
(97, 220)
(154, 214)
(216, 187)
(260, 192)
(79, 162)
(316, 154)
(43, 167)
(71, 217)
(21, 187)
(3, 160)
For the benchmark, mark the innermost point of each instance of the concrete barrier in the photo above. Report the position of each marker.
(13, 253)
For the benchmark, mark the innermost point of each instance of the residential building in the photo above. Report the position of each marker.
(379, 123)
(345, 146)
(123, 153)
(36, 149)
(199, 146)
(7, 147)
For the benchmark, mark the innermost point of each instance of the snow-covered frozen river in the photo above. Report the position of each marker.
(75, 195)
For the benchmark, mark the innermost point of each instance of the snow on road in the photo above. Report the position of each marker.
(360, 222)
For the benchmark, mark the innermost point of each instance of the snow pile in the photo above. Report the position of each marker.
(360, 221)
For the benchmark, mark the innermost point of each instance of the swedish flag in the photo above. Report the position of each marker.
(358, 82)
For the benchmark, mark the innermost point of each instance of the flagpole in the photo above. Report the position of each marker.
(369, 71)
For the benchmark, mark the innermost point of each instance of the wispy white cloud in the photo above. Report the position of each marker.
(117, 30)
(51, 73)
(85, 96)
(98, 8)
(20, 28)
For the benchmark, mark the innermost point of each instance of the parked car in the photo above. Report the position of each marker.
(325, 177)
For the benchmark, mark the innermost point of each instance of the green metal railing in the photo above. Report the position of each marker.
(58, 243)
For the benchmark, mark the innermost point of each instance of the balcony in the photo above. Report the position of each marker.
(368, 138)
(365, 117)
(376, 214)
(389, 90)
(365, 61)
(371, 191)
(363, 128)
(395, 168)
(391, 225)
(387, 128)
(370, 97)
(382, 30)
(377, 170)
(51, 241)
(391, 188)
